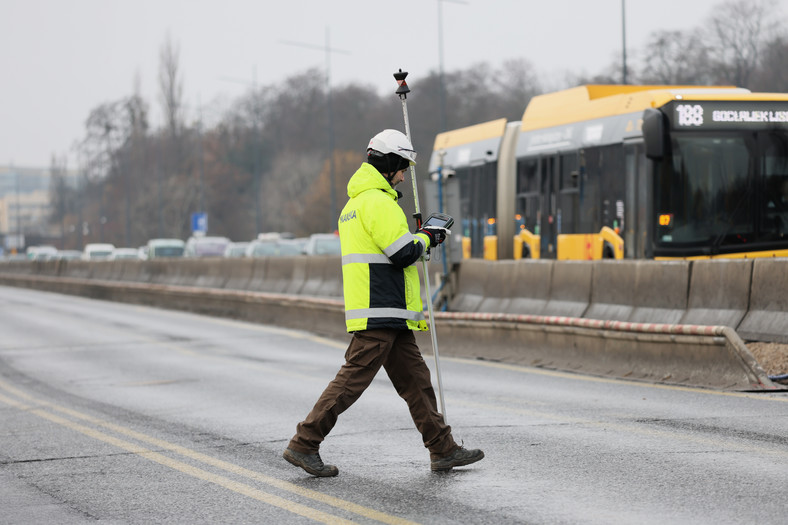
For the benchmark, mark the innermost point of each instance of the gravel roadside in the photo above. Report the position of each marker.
(773, 357)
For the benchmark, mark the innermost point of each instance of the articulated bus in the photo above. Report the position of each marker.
(597, 171)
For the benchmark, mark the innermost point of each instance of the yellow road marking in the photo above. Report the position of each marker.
(203, 458)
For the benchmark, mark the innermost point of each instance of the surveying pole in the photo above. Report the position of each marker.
(402, 92)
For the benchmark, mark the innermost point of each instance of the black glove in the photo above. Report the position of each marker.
(436, 235)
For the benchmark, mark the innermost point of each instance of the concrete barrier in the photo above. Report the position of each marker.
(117, 269)
(239, 273)
(77, 269)
(130, 269)
(752, 295)
(767, 317)
(102, 269)
(278, 274)
(570, 289)
(314, 276)
(202, 271)
(16, 267)
(530, 288)
(144, 272)
(298, 267)
(161, 271)
(719, 292)
(211, 274)
(472, 287)
(612, 290)
(183, 272)
(333, 286)
(661, 290)
(259, 281)
(709, 356)
(46, 267)
(498, 292)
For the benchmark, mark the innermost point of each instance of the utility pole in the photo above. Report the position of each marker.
(330, 126)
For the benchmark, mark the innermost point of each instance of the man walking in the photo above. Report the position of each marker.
(382, 308)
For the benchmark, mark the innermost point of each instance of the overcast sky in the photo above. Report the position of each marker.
(61, 58)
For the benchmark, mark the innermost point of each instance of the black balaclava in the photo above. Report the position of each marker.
(387, 164)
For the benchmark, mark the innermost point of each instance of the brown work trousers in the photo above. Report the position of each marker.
(396, 351)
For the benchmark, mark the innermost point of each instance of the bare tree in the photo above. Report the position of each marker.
(137, 109)
(738, 30)
(515, 84)
(675, 57)
(62, 196)
(772, 75)
(171, 85)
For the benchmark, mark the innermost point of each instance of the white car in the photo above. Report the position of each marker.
(323, 244)
(157, 248)
(206, 246)
(40, 253)
(97, 251)
(124, 253)
(235, 250)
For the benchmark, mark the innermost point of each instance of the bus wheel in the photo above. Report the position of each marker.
(526, 251)
(607, 252)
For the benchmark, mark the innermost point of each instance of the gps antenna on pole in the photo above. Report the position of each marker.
(402, 92)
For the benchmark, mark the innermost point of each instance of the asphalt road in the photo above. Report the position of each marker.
(125, 414)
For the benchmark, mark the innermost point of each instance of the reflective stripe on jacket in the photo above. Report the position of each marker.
(380, 280)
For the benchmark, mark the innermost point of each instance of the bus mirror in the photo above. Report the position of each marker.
(654, 133)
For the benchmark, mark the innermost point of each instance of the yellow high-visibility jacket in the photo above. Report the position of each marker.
(380, 278)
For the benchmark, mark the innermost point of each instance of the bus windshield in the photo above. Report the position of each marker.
(723, 191)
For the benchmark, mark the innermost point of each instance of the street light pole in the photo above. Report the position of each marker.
(624, 41)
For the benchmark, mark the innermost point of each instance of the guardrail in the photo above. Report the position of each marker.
(537, 313)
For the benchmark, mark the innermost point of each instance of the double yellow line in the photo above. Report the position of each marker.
(56, 413)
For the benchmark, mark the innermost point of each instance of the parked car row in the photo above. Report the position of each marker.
(265, 245)
(277, 245)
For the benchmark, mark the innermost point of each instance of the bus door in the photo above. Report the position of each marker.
(634, 228)
(548, 220)
(528, 201)
(568, 212)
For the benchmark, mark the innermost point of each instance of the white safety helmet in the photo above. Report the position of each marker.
(393, 141)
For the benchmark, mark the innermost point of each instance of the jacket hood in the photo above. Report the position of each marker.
(368, 178)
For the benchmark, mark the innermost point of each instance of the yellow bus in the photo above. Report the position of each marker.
(620, 171)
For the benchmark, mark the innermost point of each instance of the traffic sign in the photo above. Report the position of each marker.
(200, 222)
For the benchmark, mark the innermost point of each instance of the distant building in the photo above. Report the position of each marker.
(27, 213)
(24, 202)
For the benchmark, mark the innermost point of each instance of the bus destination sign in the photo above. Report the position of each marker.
(728, 115)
